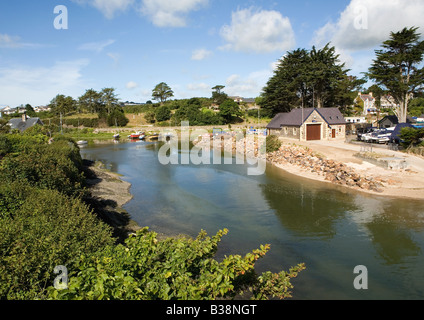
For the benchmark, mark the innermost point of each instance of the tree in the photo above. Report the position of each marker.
(348, 89)
(228, 109)
(397, 68)
(288, 86)
(162, 92)
(117, 118)
(90, 101)
(163, 113)
(30, 110)
(62, 104)
(325, 74)
(304, 79)
(218, 96)
(109, 99)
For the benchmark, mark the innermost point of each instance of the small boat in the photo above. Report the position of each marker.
(154, 137)
(136, 135)
(116, 136)
(82, 142)
(142, 137)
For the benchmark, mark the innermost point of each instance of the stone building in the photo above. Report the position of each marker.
(309, 124)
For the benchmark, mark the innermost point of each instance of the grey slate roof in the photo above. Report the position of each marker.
(17, 123)
(332, 116)
(394, 119)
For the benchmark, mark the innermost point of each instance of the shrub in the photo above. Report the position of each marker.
(172, 269)
(40, 229)
(117, 118)
(272, 144)
(56, 166)
(163, 113)
(411, 137)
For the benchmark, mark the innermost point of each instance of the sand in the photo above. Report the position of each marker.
(404, 183)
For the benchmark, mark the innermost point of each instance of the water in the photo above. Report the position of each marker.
(330, 229)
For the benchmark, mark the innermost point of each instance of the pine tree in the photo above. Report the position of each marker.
(397, 68)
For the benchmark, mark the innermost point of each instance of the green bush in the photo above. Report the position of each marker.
(41, 229)
(411, 137)
(117, 118)
(56, 166)
(172, 269)
(272, 144)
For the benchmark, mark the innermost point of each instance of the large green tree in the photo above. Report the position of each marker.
(109, 99)
(219, 96)
(62, 104)
(325, 75)
(90, 101)
(398, 67)
(162, 92)
(304, 78)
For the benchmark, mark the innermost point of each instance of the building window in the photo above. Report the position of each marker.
(294, 131)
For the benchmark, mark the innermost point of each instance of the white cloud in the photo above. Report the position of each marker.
(201, 54)
(250, 86)
(170, 13)
(96, 46)
(366, 24)
(258, 31)
(131, 85)
(107, 7)
(38, 85)
(14, 42)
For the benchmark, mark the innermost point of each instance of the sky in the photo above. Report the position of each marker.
(52, 47)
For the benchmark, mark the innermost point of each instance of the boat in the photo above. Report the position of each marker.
(136, 135)
(116, 136)
(82, 142)
(154, 136)
(142, 137)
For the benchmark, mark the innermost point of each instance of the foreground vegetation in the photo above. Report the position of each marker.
(46, 221)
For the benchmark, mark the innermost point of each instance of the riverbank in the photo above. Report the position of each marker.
(108, 194)
(351, 166)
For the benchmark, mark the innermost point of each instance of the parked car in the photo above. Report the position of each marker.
(367, 135)
(363, 131)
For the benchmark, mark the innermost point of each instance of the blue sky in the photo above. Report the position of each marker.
(192, 45)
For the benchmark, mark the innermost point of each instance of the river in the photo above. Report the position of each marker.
(330, 229)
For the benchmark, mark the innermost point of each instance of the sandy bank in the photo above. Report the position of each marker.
(403, 183)
(109, 193)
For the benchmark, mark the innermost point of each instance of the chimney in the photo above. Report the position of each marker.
(24, 117)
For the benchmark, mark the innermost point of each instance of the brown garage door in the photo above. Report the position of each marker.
(313, 132)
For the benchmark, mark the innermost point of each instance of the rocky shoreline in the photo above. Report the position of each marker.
(291, 156)
(332, 171)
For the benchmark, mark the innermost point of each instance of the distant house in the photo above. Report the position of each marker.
(8, 110)
(369, 102)
(309, 124)
(42, 109)
(388, 102)
(24, 122)
(392, 121)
